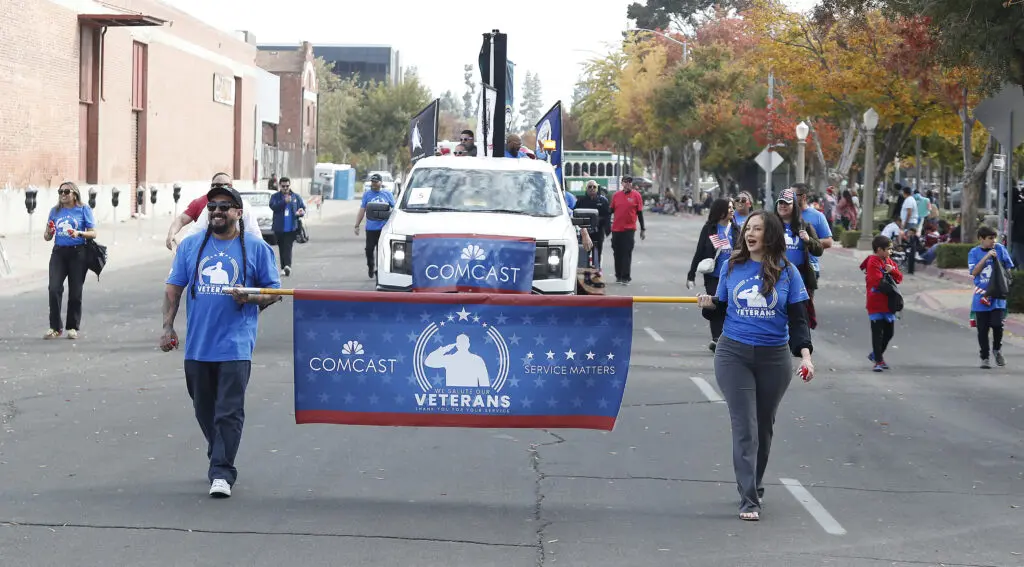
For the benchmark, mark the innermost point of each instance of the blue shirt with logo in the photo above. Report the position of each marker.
(794, 247)
(750, 317)
(76, 218)
(219, 329)
(724, 232)
(981, 280)
(817, 219)
(380, 196)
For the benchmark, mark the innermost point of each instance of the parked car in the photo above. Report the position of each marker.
(259, 200)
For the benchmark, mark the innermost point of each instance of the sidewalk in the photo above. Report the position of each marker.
(952, 301)
(131, 242)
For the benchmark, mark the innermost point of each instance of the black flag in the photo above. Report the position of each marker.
(499, 82)
(423, 132)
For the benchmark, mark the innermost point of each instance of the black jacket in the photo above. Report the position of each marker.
(604, 213)
(705, 249)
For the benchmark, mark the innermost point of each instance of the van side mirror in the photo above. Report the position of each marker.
(584, 217)
(378, 211)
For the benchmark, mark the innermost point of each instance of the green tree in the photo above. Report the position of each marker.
(450, 104)
(678, 14)
(379, 123)
(470, 101)
(338, 98)
(530, 108)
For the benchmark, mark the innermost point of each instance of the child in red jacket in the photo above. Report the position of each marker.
(882, 320)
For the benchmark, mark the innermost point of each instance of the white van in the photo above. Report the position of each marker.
(496, 199)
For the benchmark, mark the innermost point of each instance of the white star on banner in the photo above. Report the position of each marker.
(411, 380)
(570, 355)
(374, 399)
(590, 382)
(311, 376)
(463, 315)
(528, 320)
(529, 356)
(424, 317)
(578, 321)
(591, 341)
(514, 339)
(349, 398)
(590, 356)
(400, 358)
(602, 403)
(501, 318)
(324, 397)
(336, 335)
(451, 317)
(299, 314)
(552, 402)
(577, 402)
(476, 318)
(566, 341)
(399, 399)
(412, 337)
(551, 355)
(552, 320)
(616, 383)
(611, 356)
(513, 382)
(323, 315)
(311, 334)
(387, 337)
(565, 382)
(527, 402)
(539, 339)
(617, 341)
(539, 382)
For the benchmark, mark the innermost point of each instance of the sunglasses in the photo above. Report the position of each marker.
(64, 191)
(220, 186)
(460, 153)
(743, 201)
(220, 206)
(465, 139)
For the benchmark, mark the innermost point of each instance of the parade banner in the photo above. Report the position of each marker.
(460, 360)
(472, 263)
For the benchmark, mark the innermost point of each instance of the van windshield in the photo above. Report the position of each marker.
(531, 193)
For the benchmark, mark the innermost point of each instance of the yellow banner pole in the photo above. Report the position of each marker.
(638, 299)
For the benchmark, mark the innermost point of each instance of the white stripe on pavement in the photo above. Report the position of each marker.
(707, 390)
(654, 334)
(824, 519)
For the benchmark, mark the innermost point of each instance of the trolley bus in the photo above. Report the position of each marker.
(602, 167)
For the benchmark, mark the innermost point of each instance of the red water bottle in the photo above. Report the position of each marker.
(803, 373)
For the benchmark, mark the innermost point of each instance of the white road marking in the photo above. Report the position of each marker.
(654, 334)
(811, 504)
(707, 390)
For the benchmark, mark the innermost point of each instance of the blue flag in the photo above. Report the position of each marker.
(469, 262)
(550, 128)
(460, 360)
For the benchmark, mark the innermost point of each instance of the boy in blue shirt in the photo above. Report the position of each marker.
(373, 227)
(221, 327)
(988, 312)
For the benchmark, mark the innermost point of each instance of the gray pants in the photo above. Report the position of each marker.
(753, 381)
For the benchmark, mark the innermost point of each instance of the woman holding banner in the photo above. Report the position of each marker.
(764, 301)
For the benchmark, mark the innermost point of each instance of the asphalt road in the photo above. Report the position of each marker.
(102, 463)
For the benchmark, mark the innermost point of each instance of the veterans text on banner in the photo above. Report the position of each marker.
(457, 360)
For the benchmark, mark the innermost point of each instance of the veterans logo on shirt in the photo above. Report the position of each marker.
(750, 302)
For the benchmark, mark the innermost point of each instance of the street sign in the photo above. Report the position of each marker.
(769, 160)
(999, 162)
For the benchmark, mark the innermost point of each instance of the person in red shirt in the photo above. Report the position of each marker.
(627, 208)
(883, 320)
(197, 207)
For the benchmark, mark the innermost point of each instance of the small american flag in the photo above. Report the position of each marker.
(720, 242)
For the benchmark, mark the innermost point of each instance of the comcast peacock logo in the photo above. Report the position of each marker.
(352, 347)
(473, 252)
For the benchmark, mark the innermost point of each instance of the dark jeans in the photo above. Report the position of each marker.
(285, 242)
(717, 320)
(217, 390)
(67, 263)
(881, 333)
(372, 237)
(753, 381)
(986, 320)
(597, 254)
(914, 243)
(622, 249)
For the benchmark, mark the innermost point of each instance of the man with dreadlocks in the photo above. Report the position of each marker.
(221, 327)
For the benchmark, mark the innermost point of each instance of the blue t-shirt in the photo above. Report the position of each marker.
(982, 279)
(570, 200)
(817, 219)
(794, 247)
(219, 329)
(751, 318)
(740, 219)
(76, 218)
(381, 196)
(725, 234)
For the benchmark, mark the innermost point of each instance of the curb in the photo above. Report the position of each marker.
(924, 301)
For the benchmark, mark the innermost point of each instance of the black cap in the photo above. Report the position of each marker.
(376, 177)
(225, 190)
(627, 179)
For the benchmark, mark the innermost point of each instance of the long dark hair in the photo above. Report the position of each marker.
(774, 243)
(718, 211)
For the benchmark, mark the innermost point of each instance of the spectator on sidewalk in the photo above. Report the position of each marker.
(196, 213)
(883, 320)
(988, 312)
(765, 326)
(69, 224)
(288, 210)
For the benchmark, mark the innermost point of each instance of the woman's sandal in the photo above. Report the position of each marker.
(751, 516)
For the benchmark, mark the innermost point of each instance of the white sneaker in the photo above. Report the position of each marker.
(220, 488)
(72, 334)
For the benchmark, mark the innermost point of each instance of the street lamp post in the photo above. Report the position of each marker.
(696, 168)
(802, 129)
(672, 39)
(867, 220)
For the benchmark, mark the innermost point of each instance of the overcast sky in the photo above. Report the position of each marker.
(550, 38)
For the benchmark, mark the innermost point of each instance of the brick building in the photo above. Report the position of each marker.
(295, 137)
(120, 94)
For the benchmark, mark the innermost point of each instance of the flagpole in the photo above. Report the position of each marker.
(637, 299)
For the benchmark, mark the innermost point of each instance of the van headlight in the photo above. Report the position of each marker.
(400, 261)
(555, 260)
